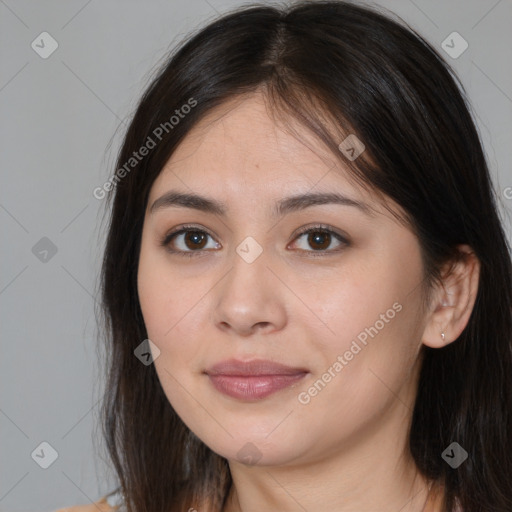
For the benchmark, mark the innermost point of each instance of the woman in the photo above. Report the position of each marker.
(306, 284)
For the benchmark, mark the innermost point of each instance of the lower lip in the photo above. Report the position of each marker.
(253, 387)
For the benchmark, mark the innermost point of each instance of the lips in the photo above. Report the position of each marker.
(252, 368)
(253, 380)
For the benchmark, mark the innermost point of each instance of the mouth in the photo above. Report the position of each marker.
(253, 380)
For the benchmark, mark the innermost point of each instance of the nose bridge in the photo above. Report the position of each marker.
(248, 296)
(249, 267)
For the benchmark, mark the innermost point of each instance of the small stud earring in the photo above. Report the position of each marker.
(442, 335)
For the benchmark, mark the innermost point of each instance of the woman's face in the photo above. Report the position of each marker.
(341, 308)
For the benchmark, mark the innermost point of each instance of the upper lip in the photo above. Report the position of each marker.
(254, 367)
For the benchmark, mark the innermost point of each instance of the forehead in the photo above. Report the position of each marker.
(243, 135)
(240, 151)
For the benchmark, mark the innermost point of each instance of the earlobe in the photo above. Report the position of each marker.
(453, 305)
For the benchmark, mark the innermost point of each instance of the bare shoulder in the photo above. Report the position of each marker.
(98, 506)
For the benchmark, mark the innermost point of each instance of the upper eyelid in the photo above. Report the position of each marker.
(320, 227)
(172, 234)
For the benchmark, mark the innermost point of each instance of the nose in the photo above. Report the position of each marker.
(250, 299)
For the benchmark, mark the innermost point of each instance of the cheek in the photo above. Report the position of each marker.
(363, 369)
(164, 308)
(349, 302)
(163, 300)
(369, 316)
(173, 313)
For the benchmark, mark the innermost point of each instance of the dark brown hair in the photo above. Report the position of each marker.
(337, 68)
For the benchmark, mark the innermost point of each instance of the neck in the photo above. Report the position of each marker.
(374, 472)
(278, 493)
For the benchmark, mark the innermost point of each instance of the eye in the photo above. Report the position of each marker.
(191, 240)
(320, 238)
(188, 239)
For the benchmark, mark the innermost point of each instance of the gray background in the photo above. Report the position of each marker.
(58, 116)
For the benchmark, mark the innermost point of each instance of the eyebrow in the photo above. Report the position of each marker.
(290, 204)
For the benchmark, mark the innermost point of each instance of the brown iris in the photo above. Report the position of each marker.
(319, 240)
(195, 237)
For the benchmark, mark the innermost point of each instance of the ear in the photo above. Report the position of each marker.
(453, 301)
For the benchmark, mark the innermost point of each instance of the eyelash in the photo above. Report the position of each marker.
(320, 228)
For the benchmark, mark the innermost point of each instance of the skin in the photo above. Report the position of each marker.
(346, 449)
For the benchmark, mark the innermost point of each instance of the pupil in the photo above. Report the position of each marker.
(319, 238)
(195, 236)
